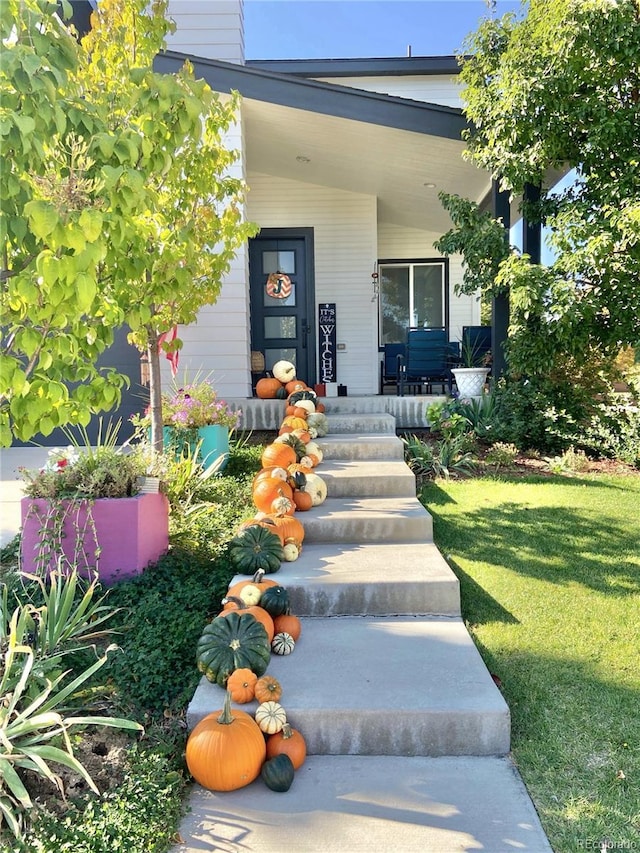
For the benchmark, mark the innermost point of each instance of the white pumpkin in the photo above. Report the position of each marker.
(250, 594)
(308, 405)
(285, 371)
(316, 487)
(314, 447)
(291, 550)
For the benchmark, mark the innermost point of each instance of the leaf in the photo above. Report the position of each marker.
(91, 223)
(42, 216)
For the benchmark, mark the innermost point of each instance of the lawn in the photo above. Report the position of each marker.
(550, 582)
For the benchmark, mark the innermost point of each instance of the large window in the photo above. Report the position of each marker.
(412, 294)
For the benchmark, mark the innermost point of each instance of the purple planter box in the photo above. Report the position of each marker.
(130, 533)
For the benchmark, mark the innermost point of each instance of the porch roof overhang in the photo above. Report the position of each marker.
(399, 150)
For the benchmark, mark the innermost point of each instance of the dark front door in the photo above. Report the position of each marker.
(282, 310)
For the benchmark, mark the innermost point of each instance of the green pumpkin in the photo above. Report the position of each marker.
(275, 600)
(234, 641)
(255, 548)
(278, 772)
(302, 395)
(281, 393)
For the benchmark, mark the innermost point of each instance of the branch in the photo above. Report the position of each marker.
(6, 273)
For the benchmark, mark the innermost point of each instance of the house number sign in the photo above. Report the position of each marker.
(327, 339)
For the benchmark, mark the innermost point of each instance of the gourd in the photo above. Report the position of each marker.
(289, 623)
(255, 548)
(285, 371)
(241, 685)
(319, 422)
(289, 742)
(314, 448)
(271, 717)
(275, 601)
(291, 550)
(268, 387)
(279, 454)
(282, 644)
(317, 488)
(235, 641)
(268, 689)
(278, 773)
(226, 749)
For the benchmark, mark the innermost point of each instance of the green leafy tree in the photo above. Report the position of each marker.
(559, 89)
(124, 212)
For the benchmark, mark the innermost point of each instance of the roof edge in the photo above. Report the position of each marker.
(378, 67)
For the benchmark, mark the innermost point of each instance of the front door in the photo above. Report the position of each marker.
(282, 299)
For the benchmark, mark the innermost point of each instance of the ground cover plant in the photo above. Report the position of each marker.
(550, 583)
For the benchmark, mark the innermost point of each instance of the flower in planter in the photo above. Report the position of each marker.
(197, 405)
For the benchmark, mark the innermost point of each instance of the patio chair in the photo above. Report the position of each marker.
(390, 365)
(427, 361)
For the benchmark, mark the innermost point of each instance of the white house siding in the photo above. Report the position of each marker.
(407, 243)
(344, 226)
(436, 89)
(209, 28)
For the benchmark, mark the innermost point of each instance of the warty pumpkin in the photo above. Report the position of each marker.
(294, 422)
(289, 742)
(226, 750)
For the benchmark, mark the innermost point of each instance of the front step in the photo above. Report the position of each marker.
(400, 519)
(361, 446)
(381, 579)
(368, 478)
(368, 423)
(362, 803)
(384, 686)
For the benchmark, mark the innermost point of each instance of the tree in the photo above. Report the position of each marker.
(560, 89)
(158, 220)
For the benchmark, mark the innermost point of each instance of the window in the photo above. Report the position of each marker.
(412, 294)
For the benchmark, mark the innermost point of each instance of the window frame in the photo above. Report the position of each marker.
(413, 262)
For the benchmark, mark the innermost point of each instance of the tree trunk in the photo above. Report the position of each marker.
(155, 393)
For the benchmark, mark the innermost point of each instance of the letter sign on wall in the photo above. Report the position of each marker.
(327, 341)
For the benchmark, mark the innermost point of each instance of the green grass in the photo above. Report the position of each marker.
(550, 582)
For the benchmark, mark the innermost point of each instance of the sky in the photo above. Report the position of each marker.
(339, 29)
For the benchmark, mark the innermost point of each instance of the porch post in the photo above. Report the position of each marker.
(531, 231)
(500, 304)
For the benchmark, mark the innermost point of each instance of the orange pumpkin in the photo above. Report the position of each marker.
(241, 684)
(288, 527)
(267, 490)
(303, 434)
(258, 580)
(278, 454)
(299, 412)
(226, 750)
(288, 623)
(289, 742)
(289, 410)
(294, 422)
(267, 689)
(268, 387)
(320, 407)
(231, 604)
(295, 385)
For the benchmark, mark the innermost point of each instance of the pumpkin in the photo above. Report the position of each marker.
(294, 422)
(282, 644)
(275, 601)
(271, 471)
(271, 717)
(258, 582)
(278, 454)
(293, 441)
(316, 487)
(268, 387)
(298, 412)
(235, 641)
(297, 480)
(285, 371)
(241, 685)
(319, 422)
(320, 407)
(231, 604)
(283, 505)
(268, 689)
(313, 448)
(302, 500)
(289, 742)
(288, 623)
(291, 550)
(255, 548)
(302, 434)
(226, 749)
(303, 394)
(307, 406)
(278, 773)
(296, 385)
(288, 527)
(265, 491)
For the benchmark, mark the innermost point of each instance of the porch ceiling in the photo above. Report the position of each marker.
(392, 164)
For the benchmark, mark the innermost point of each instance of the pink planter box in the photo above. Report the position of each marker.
(129, 533)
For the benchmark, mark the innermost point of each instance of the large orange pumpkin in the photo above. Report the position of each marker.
(226, 749)
(258, 580)
(268, 387)
(288, 527)
(267, 490)
(278, 453)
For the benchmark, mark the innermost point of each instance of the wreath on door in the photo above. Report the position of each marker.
(278, 285)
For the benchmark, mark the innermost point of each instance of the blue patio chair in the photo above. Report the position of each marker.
(390, 365)
(427, 361)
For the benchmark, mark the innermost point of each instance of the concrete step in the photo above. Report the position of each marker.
(355, 804)
(384, 686)
(379, 579)
(377, 422)
(398, 519)
(368, 478)
(361, 446)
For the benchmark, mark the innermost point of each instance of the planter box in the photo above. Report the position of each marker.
(215, 443)
(120, 536)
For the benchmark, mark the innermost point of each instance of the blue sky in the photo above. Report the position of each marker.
(338, 29)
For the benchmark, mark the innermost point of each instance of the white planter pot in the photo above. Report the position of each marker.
(470, 380)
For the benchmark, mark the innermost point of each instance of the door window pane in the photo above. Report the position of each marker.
(280, 327)
(279, 262)
(394, 303)
(282, 354)
(276, 301)
(427, 295)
